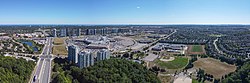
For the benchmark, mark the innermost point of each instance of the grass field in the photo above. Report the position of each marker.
(196, 48)
(59, 41)
(61, 50)
(195, 81)
(214, 67)
(179, 62)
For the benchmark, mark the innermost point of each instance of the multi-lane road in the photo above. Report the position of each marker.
(43, 68)
(149, 45)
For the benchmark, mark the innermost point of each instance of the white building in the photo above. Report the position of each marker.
(85, 59)
(73, 51)
(54, 34)
(103, 54)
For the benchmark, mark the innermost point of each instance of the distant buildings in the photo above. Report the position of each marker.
(54, 34)
(104, 31)
(73, 51)
(63, 32)
(103, 54)
(174, 48)
(85, 59)
(114, 30)
(78, 32)
(91, 32)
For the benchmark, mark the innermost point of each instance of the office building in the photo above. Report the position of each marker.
(73, 51)
(85, 59)
(54, 33)
(103, 54)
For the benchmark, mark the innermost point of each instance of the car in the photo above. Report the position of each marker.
(35, 78)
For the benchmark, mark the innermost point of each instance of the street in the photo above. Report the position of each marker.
(43, 67)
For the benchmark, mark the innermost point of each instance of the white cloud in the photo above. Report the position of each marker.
(138, 7)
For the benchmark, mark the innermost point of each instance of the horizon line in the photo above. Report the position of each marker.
(127, 24)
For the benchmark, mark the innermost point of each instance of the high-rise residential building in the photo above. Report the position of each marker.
(68, 32)
(114, 30)
(85, 59)
(91, 32)
(73, 51)
(78, 32)
(103, 54)
(104, 31)
(54, 33)
(63, 32)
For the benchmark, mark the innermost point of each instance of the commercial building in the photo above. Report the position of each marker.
(73, 51)
(103, 54)
(54, 33)
(175, 48)
(85, 59)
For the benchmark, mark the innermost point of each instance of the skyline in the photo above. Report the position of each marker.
(102, 12)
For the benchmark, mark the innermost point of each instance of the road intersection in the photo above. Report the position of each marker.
(43, 68)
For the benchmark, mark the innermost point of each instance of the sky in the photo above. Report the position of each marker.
(124, 12)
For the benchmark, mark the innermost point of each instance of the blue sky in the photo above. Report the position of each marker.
(124, 12)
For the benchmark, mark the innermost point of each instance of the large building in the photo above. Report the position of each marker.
(85, 59)
(91, 32)
(73, 51)
(54, 33)
(104, 31)
(78, 32)
(63, 32)
(103, 54)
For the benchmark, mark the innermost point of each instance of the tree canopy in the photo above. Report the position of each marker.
(108, 71)
(240, 76)
(14, 70)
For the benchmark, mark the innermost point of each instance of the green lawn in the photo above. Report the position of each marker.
(197, 48)
(179, 62)
(195, 81)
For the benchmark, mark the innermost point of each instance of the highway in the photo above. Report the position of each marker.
(43, 67)
(149, 45)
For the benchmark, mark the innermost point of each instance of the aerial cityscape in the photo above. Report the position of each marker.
(125, 41)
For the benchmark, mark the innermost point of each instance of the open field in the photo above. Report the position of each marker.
(196, 49)
(61, 50)
(177, 63)
(59, 41)
(214, 67)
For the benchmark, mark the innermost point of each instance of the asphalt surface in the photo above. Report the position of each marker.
(43, 68)
(46, 71)
(141, 49)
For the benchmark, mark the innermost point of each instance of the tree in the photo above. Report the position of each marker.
(109, 71)
(14, 70)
